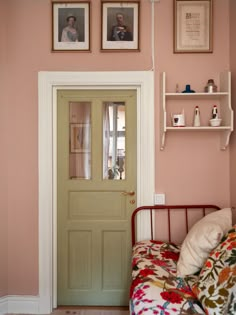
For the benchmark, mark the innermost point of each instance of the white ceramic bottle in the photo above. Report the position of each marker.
(214, 112)
(196, 119)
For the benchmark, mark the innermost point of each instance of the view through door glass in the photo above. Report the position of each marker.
(96, 195)
(114, 141)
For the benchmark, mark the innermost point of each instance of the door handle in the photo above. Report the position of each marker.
(128, 193)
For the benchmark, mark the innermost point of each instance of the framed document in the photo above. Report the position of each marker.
(193, 26)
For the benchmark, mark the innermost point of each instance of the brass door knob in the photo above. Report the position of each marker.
(128, 193)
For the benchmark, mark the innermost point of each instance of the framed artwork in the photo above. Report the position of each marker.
(79, 138)
(193, 26)
(71, 26)
(120, 25)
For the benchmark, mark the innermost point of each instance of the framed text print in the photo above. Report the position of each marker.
(193, 26)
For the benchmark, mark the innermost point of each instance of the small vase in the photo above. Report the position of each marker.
(196, 120)
(188, 89)
(210, 87)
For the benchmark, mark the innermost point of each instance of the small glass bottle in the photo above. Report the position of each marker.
(177, 88)
(196, 120)
(210, 87)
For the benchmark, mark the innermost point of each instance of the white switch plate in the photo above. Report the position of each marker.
(159, 199)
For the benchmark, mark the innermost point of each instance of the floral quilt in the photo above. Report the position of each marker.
(216, 285)
(155, 288)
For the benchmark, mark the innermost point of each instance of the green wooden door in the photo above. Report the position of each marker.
(96, 194)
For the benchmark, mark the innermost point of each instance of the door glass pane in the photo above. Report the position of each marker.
(114, 140)
(80, 140)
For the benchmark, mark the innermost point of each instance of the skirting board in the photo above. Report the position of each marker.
(3, 305)
(19, 304)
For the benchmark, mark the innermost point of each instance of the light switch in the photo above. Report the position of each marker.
(159, 199)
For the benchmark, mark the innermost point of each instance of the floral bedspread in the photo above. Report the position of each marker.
(155, 289)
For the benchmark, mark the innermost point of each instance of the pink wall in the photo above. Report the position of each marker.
(191, 169)
(29, 51)
(3, 155)
(189, 163)
(233, 69)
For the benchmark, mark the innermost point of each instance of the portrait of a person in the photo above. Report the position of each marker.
(120, 31)
(70, 32)
(71, 28)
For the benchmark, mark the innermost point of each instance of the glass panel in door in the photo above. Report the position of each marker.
(114, 141)
(80, 140)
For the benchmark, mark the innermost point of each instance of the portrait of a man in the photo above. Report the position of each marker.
(121, 30)
(120, 25)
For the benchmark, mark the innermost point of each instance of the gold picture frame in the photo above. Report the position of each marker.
(120, 25)
(193, 26)
(70, 26)
(80, 138)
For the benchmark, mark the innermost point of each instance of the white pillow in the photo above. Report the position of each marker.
(204, 236)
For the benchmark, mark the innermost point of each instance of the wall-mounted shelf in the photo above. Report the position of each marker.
(224, 101)
(195, 96)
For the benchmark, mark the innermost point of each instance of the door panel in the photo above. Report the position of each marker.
(94, 209)
(79, 259)
(113, 244)
(83, 205)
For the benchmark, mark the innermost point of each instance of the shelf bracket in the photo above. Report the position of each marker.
(163, 139)
(224, 141)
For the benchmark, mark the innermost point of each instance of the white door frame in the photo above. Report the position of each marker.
(48, 83)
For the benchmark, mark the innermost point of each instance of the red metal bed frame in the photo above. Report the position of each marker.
(169, 208)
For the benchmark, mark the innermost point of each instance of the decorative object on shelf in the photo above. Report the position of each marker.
(178, 120)
(196, 120)
(215, 122)
(177, 88)
(214, 112)
(193, 26)
(188, 89)
(210, 87)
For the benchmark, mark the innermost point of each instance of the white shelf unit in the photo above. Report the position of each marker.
(223, 97)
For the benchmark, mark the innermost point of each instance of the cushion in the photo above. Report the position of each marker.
(216, 285)
(201, 239)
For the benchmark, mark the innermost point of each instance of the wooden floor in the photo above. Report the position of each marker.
(77, 310)
(91, 311)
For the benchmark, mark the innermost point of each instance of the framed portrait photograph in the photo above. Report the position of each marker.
(80, 138)
(193, 26)
(71, 26)
(120, 25)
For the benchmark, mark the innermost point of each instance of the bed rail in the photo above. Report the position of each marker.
(169, 209)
